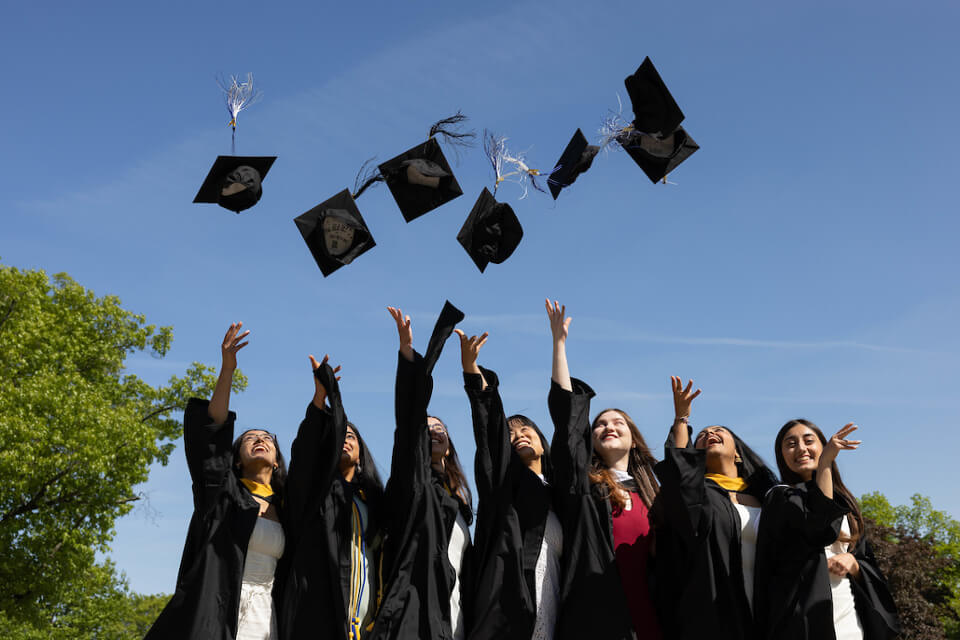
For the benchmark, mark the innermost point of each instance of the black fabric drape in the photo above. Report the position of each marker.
(206, 601)
(313, 576)
(593, 604)
(512, 508)
(700, 591)
(420, 512)
(793, 599)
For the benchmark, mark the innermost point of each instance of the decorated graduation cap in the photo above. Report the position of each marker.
(235, 182)
(335, 232)
(420, 179)
(655, 140)
(492, 231)
(576, 159)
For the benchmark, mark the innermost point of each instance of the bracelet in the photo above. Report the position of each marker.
(683, 419)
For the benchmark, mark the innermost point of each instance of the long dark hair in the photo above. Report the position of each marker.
(279, 477)
(639, 466)
(546, 464)
(454, 471)
(367, 477)
(839, 489)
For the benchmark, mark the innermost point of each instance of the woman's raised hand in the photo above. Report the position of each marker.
(320, 392)
(682, 398)
(232, 342)
(405, 331)
(559, 324)
(837, 443)
(469, 349)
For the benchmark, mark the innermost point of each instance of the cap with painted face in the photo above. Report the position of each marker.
(576, 159)
(235, 182)
(335, 232)
(420, 179)
(491, 232)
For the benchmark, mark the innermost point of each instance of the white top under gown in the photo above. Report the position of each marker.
(547, 577)
(845, 621)
(256, 619)
(456, 549)
(749, 525)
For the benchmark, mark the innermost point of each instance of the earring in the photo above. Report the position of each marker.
(737, 458)
(359, 467)
(275, 467)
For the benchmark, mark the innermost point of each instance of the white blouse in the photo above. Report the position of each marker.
(845, 621)
(749, 525)
(456, 549)
(257, 619)
(547, 578)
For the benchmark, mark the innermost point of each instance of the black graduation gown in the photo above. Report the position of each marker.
(792, 596)
(420, 513)
(512, 508)
(593, 604)
(206, 601)
(699, 574)
(314, 573)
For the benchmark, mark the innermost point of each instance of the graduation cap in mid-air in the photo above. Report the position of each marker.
(335, 232)
(420, 179)
(576, 159)
(236, 182)
(491, 232)
(655, 140)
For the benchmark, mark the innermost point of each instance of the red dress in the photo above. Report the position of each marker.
(631, 544)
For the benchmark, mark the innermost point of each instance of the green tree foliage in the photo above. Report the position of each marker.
(923, 546)
(79, 433)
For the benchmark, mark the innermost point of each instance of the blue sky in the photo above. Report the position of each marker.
(803, 264)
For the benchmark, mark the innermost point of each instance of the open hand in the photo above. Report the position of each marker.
(469, 349)
(320, 392)
(837, 443)
(682, 398)
(232, 342)
(559, 325)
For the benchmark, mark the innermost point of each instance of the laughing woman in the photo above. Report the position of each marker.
(427, 506)
(604, 486)
(818, 575)
(711, 489)
(331, 509)
(519, 541)
(235, 538)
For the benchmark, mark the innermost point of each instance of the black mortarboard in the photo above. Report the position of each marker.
(576, 159)
(335, 232)
(420, 179)
(658, 156)
(491, 231)
(654, 109)
(234, 182)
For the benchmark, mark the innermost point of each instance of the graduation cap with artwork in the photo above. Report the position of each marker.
(236, 182)
(492, 231)
(335, 232)
(420, 179)
(655, 140)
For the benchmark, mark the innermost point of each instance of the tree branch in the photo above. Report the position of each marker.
(34, 501)
(159, 411)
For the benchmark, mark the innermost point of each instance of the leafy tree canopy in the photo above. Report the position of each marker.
(79, 433)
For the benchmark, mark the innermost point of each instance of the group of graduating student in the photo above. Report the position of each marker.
(586, 536)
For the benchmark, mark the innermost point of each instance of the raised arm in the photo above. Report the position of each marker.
(405, 331)
(219, 405)
(682, 399)
(559, 328)
(834, 446)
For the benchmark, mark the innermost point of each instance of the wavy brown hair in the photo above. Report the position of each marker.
(453, 470)
(855, 518)
(639, 466)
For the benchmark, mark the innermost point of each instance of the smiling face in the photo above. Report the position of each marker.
(525, 441)
(350, 454)
(439, 440)
(611, 435)
(258, 448)
(801, 449)
(718, 441)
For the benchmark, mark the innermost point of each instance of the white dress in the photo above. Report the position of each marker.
(749, 525)
(256, 619)
(845, 621)
(456, 549)
(547, 578)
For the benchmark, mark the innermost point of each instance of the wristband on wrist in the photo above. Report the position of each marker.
(683, 419)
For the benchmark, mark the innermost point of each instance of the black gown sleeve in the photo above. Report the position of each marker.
(875, 605)
(410, 463)
(492, 437)
(209, 450)
(571, 449)
(683, 492)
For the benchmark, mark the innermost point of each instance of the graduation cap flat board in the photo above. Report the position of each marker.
(335, 232)
(491, 231)
(654, 109)
(235, 182)
(420, 179)
(576, 159)
(659, 156)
